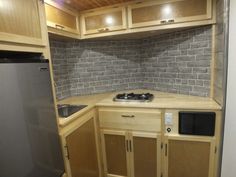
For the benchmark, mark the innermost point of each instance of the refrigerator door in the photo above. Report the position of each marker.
(29, 141)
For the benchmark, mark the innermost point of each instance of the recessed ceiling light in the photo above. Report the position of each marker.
(167, 10)
(109, 20)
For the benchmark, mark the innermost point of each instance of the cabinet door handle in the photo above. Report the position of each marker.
(127, 145)
(167, 21)
(128, 116)
(166, 150)
(163, 21)
(103, 30)
(171, 21)
(59, 26)
(130, 146)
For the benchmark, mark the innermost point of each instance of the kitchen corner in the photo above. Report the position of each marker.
(121, 88)
(157, 120)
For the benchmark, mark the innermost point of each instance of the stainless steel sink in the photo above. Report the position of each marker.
(65, 110)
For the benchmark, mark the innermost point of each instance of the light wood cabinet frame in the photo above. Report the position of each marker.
(100, 12)
(159, 2)
(61, 27)
(200, 139)
(24, 39)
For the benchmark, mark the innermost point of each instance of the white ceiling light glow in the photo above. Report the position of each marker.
(109, 20)
(167, 10)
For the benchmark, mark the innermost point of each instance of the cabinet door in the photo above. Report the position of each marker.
(115, 154)
(82, 151)
(187, 157)
(160, 12)
(60, 18)
(146, 154)
(104, 21)
(21, 21)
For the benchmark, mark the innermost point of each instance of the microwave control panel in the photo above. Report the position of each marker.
(171, 121)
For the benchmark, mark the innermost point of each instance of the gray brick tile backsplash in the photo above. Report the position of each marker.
(177, 62)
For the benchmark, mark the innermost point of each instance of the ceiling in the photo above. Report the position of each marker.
(89, 4)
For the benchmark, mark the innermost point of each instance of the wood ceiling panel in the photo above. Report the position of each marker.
(90, 4)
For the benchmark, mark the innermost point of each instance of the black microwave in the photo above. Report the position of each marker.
(197, 123)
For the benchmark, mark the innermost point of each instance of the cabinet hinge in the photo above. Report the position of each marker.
(67, 152)
(215, 149)
(161, 145)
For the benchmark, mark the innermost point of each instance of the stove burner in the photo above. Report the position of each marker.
(129, 97)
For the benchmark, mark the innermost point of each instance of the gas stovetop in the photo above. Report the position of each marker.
(133, 97)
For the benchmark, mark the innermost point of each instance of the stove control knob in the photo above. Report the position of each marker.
(168, 130)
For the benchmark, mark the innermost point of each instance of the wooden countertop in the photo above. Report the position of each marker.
(161, 100)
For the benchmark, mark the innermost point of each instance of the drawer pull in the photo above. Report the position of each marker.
(128, 116)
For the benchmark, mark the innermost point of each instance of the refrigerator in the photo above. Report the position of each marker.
(29, 140)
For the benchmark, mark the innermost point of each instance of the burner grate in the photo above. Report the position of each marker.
(129, 97)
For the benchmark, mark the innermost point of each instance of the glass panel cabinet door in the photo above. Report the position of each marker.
(146, 154)
(166, 12)
(115, 153)
(20, 21)
(82, 151)
(104, 20)
(190, 157)
(61, 18)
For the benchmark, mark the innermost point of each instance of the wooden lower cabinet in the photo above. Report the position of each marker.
(146, 154)
(131, 154)
(115, 153)
(81, 149)
(189, 157)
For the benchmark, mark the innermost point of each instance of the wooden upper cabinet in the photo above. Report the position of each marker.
(101, 21)
(21, 21)
(161, 12)
(61, 18)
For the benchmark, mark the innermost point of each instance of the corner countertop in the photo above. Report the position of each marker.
(162, 100)
(89, 100)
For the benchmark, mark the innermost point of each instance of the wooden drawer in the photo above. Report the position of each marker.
(130, 119)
